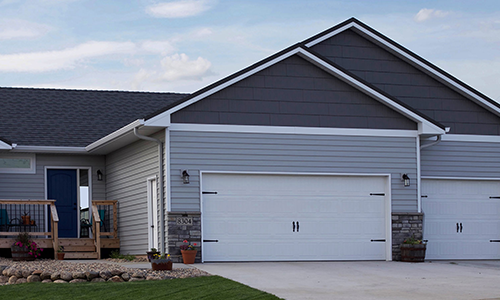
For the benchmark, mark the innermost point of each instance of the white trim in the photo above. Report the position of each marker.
(152, 237)
(167, 179)
(116, 134)
(31, 157)
(411, 58)
(471, 138)
(49, 149)
(461, 178)
(4, 146)
(419, 181)
(292, 130)
(387, 200)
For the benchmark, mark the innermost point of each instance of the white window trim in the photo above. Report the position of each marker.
(31, 157)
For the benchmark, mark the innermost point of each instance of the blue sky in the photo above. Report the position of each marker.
(182, 46)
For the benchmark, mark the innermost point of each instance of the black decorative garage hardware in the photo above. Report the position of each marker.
(209, 193)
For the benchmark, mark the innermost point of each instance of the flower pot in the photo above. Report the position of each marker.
(161, 266)
(150, 254)
(60, 255)
(20, 253)
(413, 253)
(26, 220)
(188, 256)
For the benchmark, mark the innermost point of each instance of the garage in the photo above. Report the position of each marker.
(275, 217)
(461, 218)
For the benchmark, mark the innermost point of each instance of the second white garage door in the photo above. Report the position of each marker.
(291, 217)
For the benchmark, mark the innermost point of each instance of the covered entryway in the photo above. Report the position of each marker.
(256, 217)
(461, 218)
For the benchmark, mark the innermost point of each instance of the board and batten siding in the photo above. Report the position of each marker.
(289, 153)
(126, 181)
(32, 186)
(461, 159)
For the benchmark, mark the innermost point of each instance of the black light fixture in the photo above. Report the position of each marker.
(99, 175)
(185, 176)
(406, 179)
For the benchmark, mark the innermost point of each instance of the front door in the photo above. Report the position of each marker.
(62, 187)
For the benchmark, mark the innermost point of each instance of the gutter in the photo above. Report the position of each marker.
(116, 134)
(161, 179)
(437, 141)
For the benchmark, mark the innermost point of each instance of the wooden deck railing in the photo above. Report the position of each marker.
(105, 214)
(13, 219)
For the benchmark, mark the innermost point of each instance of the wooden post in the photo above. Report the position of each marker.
(54, 228)
(96, 224)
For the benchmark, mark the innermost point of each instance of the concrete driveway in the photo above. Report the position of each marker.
(367, 280)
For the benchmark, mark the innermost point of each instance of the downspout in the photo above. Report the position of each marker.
(437, 141)
(160, 167)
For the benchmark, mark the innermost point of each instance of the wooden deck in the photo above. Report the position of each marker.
(74, 248)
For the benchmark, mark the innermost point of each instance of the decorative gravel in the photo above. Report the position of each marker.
(48, 270)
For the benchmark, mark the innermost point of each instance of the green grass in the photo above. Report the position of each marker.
(117, 254)
(208, 287)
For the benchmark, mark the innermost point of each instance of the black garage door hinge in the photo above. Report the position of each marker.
(209, 193)
(210, 241)
(377, 194)
(378, 240)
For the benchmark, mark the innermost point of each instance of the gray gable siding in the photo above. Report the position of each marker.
(289, 153)
(293, 93)
(379, 67)
(461, 159)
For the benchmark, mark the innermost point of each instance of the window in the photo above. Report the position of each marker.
(17, 163)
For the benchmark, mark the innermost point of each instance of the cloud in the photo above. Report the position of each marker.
(426, 14)
(162, 47)
(178, 9)
(62, 59)
(20, 29)
(178, 66)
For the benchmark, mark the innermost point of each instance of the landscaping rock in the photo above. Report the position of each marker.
(60, 281)
(54, 276)
(151, 277)
(78, 280)
(2, 268)
(105, 275)
(116, 278)
(34, 278)
(98, 279)
(18, 273)
(66, 276)
(26, 273)
(79, 275)
(116, 272)
(137, 275)
(6, 272)
(91, 275)
(126, 276)
(47, 281)
(4, 279)
(45, 275)
(136, 279)
(21, 280)
(37, 272)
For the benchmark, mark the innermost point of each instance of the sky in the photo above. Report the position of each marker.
(183, 46)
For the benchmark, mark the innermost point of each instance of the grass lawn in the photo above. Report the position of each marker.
(208, 287)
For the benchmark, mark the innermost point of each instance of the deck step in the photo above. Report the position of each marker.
(80, 255)
(79, 248)
(65, 242)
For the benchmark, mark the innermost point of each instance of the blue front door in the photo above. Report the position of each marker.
(62, 187)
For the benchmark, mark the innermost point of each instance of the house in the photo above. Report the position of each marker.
(335, 148)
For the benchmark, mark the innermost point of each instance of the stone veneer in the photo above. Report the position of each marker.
(176, 234)
(404, 225)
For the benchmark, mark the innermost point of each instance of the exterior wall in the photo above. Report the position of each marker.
(404, 225)
(257, 152)
(178, 233)
(461, 159)
(293, 93)
(127, 171)
(32, 186)
(379, 67)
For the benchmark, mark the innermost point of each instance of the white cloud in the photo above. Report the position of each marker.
(62, 59)
(178, 66)
(20, 29)
(426, 14)
(162, 47)
(178, 9)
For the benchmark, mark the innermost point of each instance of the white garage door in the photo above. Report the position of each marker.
(283, 218)
(461, 219)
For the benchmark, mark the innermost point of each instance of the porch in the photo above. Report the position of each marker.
(40, 219)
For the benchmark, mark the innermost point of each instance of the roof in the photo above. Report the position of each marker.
(72, 118)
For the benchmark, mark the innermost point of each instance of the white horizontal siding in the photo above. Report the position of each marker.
(258, 152)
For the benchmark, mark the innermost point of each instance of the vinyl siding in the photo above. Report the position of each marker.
(256, 152)
(461, 159)
(126, 181)
(351, 50)
(293, 92)
(32, 186)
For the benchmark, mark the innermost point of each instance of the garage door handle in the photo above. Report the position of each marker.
(461, 227)
(297, 226)
(293, 226)
(494, 241)
(378, 241)
(458, 227)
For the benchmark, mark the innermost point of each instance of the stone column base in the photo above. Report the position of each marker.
(404, 225)
(183, 226)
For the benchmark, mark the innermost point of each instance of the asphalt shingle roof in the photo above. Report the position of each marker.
(72, 118)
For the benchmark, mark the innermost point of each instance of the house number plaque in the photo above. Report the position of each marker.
(184, 221)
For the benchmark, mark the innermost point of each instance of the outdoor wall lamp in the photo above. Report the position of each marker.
(99, 175)
(406, 179)
(185, 176)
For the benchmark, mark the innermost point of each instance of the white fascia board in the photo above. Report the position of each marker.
(110, 137)
(292, 130)
(155, 121)
(409, 57)
(49, 149)
(5, 146)
(471, 138)
(424, 126)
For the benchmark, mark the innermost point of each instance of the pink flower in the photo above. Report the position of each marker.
(194, 244)
(185, 241)
(30, 253)
(41, 249)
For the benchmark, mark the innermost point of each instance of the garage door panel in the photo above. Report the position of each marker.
(254, 212)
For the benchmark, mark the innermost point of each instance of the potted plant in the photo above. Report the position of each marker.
(413, 250)
(60, 253)
(152, 253)
(188, 252)
(26, 218)
(161, 262)
(24, 248)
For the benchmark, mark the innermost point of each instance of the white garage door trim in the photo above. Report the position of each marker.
(472, 240)
(387, 198)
